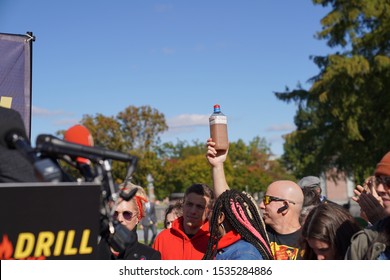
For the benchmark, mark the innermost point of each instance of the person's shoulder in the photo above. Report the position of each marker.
(163, 233)
(242, 250)
(245, 245)
(167, 234)
(364, 235)
(360, 242)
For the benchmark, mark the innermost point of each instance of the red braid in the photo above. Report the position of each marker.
(139, 200)
(240, 215)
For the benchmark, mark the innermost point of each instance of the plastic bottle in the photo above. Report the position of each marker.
(218, 129)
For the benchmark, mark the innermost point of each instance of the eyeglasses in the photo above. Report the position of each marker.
(268, 199)
(384, 180)
(127, 215)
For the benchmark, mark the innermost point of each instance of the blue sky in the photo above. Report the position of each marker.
(180, 57)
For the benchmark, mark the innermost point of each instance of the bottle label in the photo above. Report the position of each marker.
(218, 120)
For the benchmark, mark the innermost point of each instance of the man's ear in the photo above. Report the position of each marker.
(283, 208)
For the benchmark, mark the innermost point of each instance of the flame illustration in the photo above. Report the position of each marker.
(6, 248)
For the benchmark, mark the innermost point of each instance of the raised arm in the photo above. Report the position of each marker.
(216, 160)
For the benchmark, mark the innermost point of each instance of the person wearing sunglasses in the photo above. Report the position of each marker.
(373, 241)
(374, 200)
(129, 214)
(281, 207)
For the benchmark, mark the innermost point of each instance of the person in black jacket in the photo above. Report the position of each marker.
(129, 214)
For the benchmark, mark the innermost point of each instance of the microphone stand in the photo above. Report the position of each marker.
(116, 235)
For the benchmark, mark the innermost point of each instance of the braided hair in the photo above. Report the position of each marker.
(242, 213)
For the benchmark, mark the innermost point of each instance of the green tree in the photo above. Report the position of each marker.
(174, 167)
(141, 127)
(248, 167)
(133, 131)
(180, 173)
(342, 120)
(254, 167)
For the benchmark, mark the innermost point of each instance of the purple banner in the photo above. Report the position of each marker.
(15, 75)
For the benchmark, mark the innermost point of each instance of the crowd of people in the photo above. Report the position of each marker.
(293, 221)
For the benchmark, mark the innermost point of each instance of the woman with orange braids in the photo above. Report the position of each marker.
(129, 214)
(237, 231)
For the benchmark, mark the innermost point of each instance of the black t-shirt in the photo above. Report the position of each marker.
(285, 246)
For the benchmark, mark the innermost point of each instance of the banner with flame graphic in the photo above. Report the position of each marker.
(49, 221)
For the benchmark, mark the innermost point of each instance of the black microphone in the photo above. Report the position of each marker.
(13, 136)
(52, 145)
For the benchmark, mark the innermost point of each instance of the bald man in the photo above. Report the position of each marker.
(281, 207)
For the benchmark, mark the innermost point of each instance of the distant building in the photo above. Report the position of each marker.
(338, 187)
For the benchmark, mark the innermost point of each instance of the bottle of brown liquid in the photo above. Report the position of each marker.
(218, 129)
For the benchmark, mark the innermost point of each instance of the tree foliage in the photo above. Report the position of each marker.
(174, 167)
(248, 167)
(135, 131)
(343, 119)
(141, 127)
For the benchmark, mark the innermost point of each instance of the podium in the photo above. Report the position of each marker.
(49, 220)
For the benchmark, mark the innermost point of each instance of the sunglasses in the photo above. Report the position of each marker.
(384, 180)
(268, 199)
(127, 215)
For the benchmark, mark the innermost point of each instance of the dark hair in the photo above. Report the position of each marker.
(330, 223)
(243, 215)
(176, 207)
(311, 198)
(201, 189)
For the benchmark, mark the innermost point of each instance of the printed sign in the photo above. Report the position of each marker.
(49, 221)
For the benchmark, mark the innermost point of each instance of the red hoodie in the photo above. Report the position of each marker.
(174, 244)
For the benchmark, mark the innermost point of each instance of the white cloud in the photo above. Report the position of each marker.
(42, 112)
(188, 120)
(58, 118)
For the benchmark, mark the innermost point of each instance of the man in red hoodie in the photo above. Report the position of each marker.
(188, 237)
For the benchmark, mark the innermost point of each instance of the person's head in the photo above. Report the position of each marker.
(129, 213)
(311, 198)
(237, 211)
(197, 203)
(311, 182)
(281, 206)
(327, 232)
(173, 212)
(382, 176)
